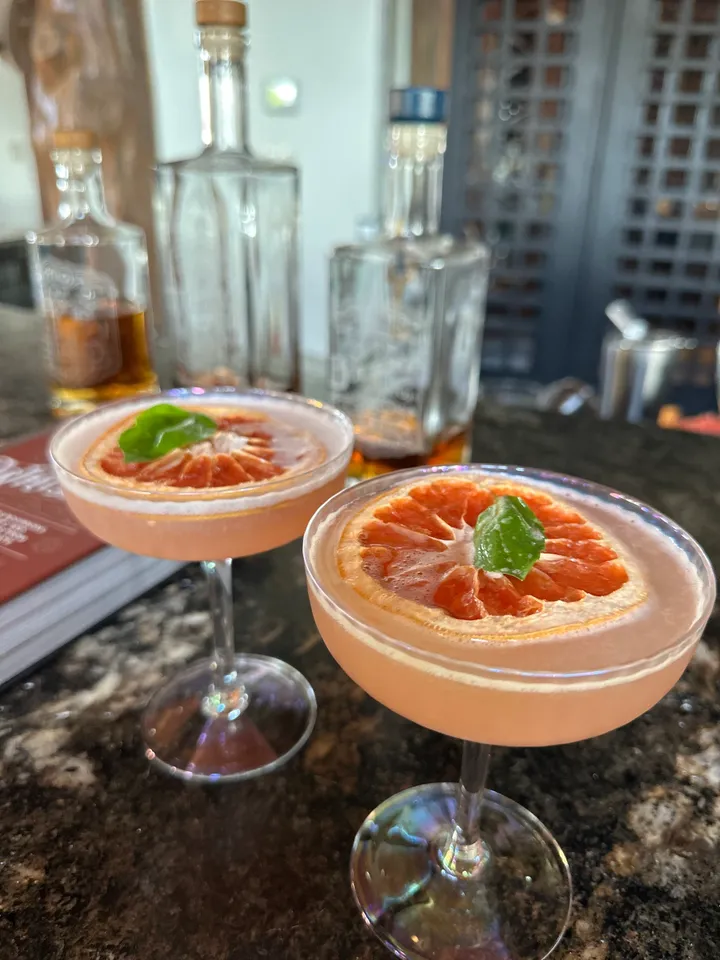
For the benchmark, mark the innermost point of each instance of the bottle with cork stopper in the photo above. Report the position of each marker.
(233, 231)
(90, 280)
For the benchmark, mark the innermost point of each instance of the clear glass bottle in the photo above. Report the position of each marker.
(407, 310)
(233, 232)
(90, 280)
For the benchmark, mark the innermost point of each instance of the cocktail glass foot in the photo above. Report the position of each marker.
(195, 731)
(232, 716)
(427, 890)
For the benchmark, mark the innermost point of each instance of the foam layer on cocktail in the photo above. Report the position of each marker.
(192, 524)
(523, 685)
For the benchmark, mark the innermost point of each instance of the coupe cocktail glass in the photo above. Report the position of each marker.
(231, 716)
(448, 871)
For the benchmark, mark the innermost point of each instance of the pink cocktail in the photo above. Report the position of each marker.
(249, 484)
(598, 629)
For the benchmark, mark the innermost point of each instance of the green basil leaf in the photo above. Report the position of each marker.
(508, 538)
(162, 428)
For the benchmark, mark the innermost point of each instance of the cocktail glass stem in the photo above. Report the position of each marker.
(227, 695)
(464, 854)
(230, 716)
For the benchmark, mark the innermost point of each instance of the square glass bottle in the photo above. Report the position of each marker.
(407, 310)
(232, 263)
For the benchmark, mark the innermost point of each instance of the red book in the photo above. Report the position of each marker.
(56, 579)
(39, 536)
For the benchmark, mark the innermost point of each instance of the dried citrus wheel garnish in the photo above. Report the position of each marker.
(416, 544)
(247, 447)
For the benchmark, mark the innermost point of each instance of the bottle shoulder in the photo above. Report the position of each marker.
(432, 252)
(87, 232)
(219, 162)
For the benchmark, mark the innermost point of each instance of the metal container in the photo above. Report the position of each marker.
(637, 376)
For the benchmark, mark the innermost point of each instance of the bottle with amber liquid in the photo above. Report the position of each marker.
(407, 310)
(90, 279)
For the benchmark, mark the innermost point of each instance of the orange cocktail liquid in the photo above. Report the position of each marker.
(531, 690)
(229, 532)
(206, 523)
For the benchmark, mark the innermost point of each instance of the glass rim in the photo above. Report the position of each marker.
(189, 495)
(386, 481)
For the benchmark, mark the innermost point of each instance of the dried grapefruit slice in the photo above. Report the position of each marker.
(411, 551)
(247, 448)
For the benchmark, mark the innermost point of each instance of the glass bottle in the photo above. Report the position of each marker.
(407, 310)
(90, 280)
(233, 232)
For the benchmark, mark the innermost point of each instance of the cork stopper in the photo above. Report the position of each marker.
(74, 140)
(220, 13)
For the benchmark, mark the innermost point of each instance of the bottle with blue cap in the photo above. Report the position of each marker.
(407, 309)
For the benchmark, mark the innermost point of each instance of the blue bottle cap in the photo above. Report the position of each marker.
(418, 105)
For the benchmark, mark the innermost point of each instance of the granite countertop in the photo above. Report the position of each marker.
(102, 857)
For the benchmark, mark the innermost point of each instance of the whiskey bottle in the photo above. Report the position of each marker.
(90, 279)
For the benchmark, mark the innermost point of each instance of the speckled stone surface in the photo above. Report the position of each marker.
(102, 858)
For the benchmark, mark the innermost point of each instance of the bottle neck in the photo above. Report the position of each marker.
(78, 177)
(222, 88)
(413, 185)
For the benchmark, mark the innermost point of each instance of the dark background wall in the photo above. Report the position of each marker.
(585, 147)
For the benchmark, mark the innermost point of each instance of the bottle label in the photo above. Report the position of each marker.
(81, 307)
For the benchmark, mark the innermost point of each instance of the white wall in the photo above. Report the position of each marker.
(19, 195)
(400, 20)
(169, 28)
(334, 49)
